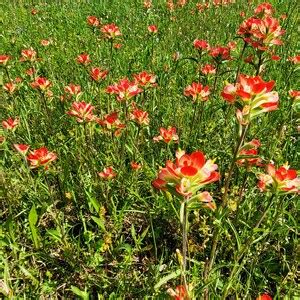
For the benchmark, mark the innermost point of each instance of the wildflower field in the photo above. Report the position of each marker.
(149, 149)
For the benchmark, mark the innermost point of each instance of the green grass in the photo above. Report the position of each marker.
(66, 228)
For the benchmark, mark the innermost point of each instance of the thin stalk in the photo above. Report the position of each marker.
(240, 63)
(247, 246)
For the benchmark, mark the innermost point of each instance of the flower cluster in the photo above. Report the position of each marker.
(252, 96)
(187, 175)
(283, 180)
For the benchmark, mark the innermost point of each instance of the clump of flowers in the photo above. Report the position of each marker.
(28, 55)
(252, 96)
(282, 180)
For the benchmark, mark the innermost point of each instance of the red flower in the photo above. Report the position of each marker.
(124, 89)
(264, 297)
(145, 79)
(283, 180)
(187, 175)
(10, 123)
(220, 53)
(295, 59)
(275, 57)
(147, 4)
(41, 83)
(201, 44)
(110, 31)
(10, 87)
(139, 116)
(112, 123)
(167, 135)
(98, 74)
(30, 71)
(152, 28)
(82, 111)
(264, 9)
(254, 94)
(261, 33)
(73, 89)
(197, 91)
(248, 154)
(107, 173)
(41, 157)
(28, 55)
(45, 43)
(135, 166)
(4, 59)
(180, 293)
(295, 95)
(83, 59)
(93, 21)
(21, 148)
(208, 69)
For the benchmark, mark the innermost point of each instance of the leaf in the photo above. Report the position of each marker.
(83, 294)
(238, 242)
(99, 222)
(33, 218)
(165, 279)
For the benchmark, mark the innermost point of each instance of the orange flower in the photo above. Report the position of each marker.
(98, 74)
(167, 135)
(187, 175)
(107, 173)
(283, 180)
(145, 79)
(135, 166)
(10, 123)
(180, 293)
(93, 21)
(264, 297)
(197, 91)
(112, 123)
(83, 59)
(124, 89)
(152, 29)
(28, 55)
(4, 59)
(208, 69)
(82, 111)
(41, 157)
(253, 94)
(248, 154)
(73, 89)
(41, 83)
(110, 31)
(201, 44)
(9, 87)
(21, 148)
(139, 116)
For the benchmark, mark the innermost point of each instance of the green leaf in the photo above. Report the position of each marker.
(165, 279)
(99, 222)
(33, 218)
(83, 294)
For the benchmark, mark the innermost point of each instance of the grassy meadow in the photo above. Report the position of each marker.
(98, 200)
